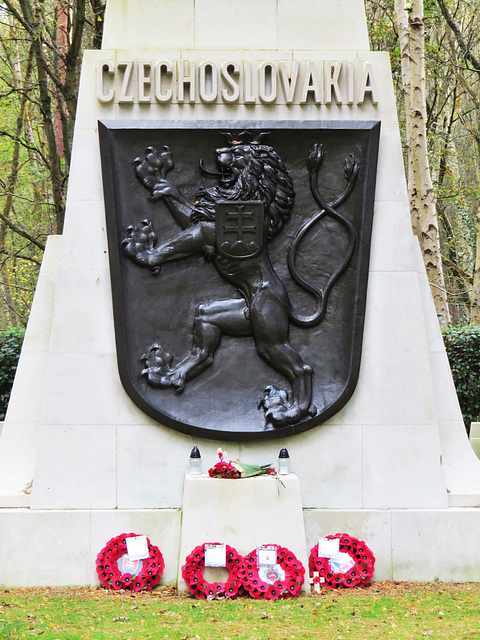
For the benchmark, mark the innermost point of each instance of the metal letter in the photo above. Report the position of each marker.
(208, 85)
(186, 78)
(163, 68)
(367, 85)
(127, 76)
(289, 81)
(144, 81)
(267, 86)
(332, 73)
(312, 84)
(227, 71)
(249, 84)
(102, 67)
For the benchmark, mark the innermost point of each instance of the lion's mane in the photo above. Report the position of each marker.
(265, 178)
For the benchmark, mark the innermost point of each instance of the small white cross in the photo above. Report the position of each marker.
(316, 581)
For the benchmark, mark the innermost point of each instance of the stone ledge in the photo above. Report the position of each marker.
(58, 548)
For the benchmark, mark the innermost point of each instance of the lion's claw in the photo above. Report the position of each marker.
(152, 169)
(158, 369)
(275, 404)
(177, 380)
(157, 366)
(279, 410)
(140, 243)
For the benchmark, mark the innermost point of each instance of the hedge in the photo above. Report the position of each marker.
(463, 349)
(462, 344)
(10, 347)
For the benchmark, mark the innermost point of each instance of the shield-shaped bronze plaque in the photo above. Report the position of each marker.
(239, 258)
(239, 228)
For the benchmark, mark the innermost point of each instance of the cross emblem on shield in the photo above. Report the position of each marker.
(239, 228)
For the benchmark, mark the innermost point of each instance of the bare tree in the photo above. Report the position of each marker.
(410, 22)
(468, 77)
(40, 57)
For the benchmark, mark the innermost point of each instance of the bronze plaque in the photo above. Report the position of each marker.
(239, 258)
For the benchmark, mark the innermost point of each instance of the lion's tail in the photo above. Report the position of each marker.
(317, 293)
(321, 295)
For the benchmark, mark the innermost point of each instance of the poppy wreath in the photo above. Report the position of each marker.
(115, 571)
(358, 576)
(287, 588)
(192, 573)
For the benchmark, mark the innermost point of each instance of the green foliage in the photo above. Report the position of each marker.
(463, 349)
(10, 347)
(453, 126)
(34, 148)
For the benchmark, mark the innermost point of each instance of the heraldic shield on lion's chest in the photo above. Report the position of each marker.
(239, 257)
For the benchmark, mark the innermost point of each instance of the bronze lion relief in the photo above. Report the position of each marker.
(239, 264)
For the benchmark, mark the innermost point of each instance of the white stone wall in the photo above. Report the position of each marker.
(386, 467)
(236, 25)
(18, 444)
(372, 454)
(59, 548)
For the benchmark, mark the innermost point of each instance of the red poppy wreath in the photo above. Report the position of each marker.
(192, 573)
(283, 579)
(357, 571)
(117, 571)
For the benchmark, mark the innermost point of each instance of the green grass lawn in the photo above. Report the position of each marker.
(383, 610)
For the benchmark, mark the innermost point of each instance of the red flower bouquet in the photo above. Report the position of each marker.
(224, 470)
(233, 469)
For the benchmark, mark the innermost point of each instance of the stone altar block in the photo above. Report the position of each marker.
(79, 458)
(249, 513)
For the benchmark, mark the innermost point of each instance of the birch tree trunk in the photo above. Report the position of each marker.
(475, 295)
(420, 188)
(404, 41)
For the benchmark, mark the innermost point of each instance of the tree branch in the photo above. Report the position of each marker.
(458, 270)
(467, 52)
(19, 256)
(21, 232)
(13, 137)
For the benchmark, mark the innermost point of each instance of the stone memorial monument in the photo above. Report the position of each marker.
(237, 270)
